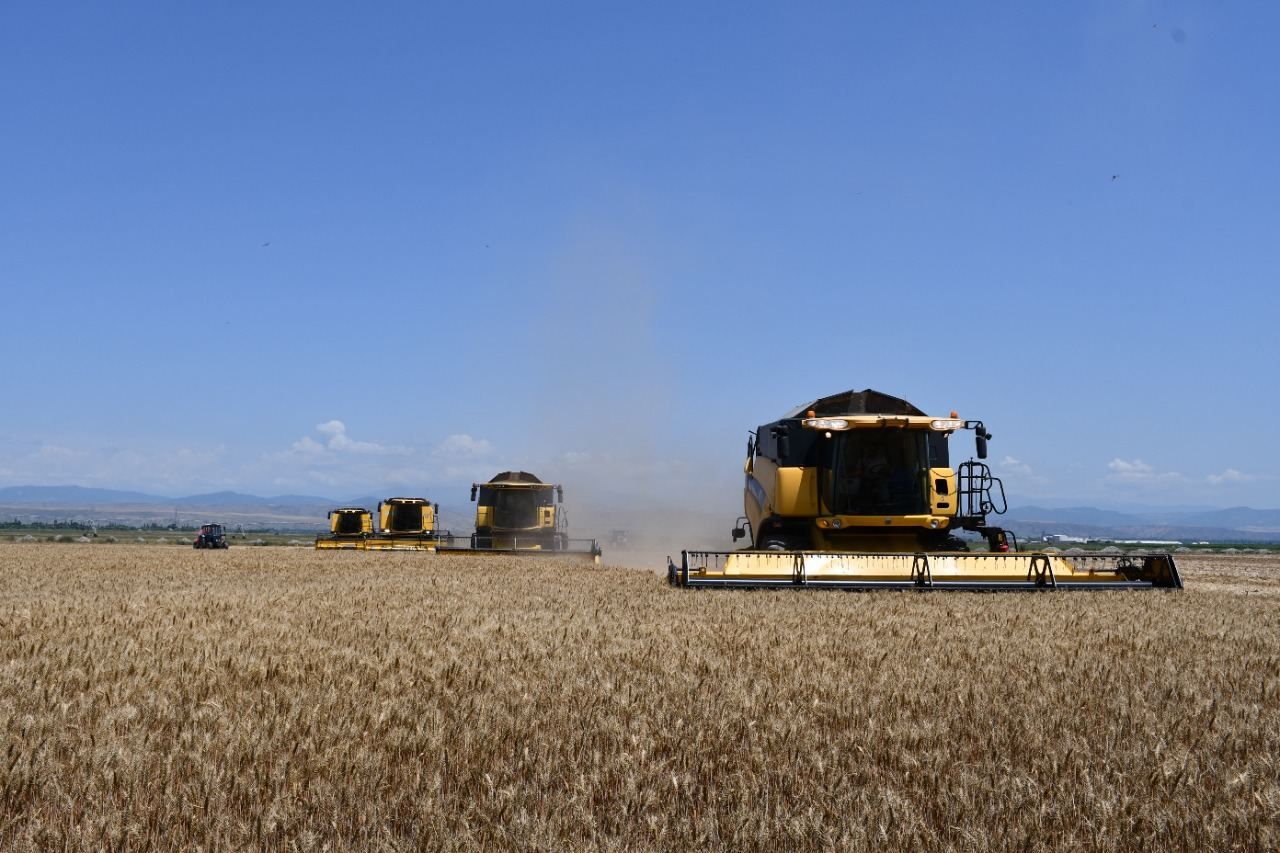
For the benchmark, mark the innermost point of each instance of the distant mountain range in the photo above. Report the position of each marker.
(1234, 524)
(80, 495)
(45, 503)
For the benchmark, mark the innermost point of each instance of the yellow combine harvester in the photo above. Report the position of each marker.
(857, 491)
(349, 527)
(517, 512)
(406, 524)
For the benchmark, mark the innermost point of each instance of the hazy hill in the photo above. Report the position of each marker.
(1236, 524)
(239, 499)
(73, 495)
(38, 503)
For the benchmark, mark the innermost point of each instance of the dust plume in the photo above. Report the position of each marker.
(609, 414)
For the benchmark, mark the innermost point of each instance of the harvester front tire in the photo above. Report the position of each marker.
(778, 542)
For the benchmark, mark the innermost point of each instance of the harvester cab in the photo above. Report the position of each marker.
(211, 536)
(857, 490)
(349, 527)
(516, 511)
(406, 524)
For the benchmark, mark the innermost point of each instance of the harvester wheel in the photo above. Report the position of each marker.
(778, 542)
(946, 544)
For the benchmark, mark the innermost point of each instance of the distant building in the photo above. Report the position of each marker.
(1063, 538)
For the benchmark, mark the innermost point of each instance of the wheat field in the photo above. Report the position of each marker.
(284, 699)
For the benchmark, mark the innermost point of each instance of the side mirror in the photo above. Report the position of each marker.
(473, 492)
(560, 494)
(738, 533)
(981, 440)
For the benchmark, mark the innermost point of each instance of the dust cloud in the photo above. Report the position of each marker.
(609, 413)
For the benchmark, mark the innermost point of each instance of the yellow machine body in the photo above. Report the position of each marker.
(793, 499)
(349, 528)
(857, 491)
(517, 512)
(405, 524)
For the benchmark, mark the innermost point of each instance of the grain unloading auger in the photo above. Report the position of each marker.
(517, 513)
(856, 491)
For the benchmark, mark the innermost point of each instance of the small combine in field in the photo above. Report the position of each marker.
(349, 527)
(517, 512)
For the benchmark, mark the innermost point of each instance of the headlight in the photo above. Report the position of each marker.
(946, 423)
(826, 423)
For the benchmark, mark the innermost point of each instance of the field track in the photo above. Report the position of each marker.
(280, 698)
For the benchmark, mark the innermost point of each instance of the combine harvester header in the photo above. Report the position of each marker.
(857, 491)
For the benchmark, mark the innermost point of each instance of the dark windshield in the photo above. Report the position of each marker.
(406, 518)
(878, 472)
(515, 508)
(350, 522)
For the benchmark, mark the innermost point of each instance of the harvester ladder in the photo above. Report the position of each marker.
(980, 493)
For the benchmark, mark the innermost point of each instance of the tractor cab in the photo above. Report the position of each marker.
(211, 536)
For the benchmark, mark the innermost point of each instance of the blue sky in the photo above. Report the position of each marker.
(310, 248)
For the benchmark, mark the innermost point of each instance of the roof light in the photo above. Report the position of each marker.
(826, 423)
(946, 423)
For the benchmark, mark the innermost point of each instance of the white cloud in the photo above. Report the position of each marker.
(461, 446)
(332, 461)
(1015, 466)
(1231, 475)
(337, 441)
(328, 461)
(307, 444)
(1125, 468)
(156, 469)
(1137, 471)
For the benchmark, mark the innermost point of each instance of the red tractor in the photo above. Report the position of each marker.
(211, 536)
